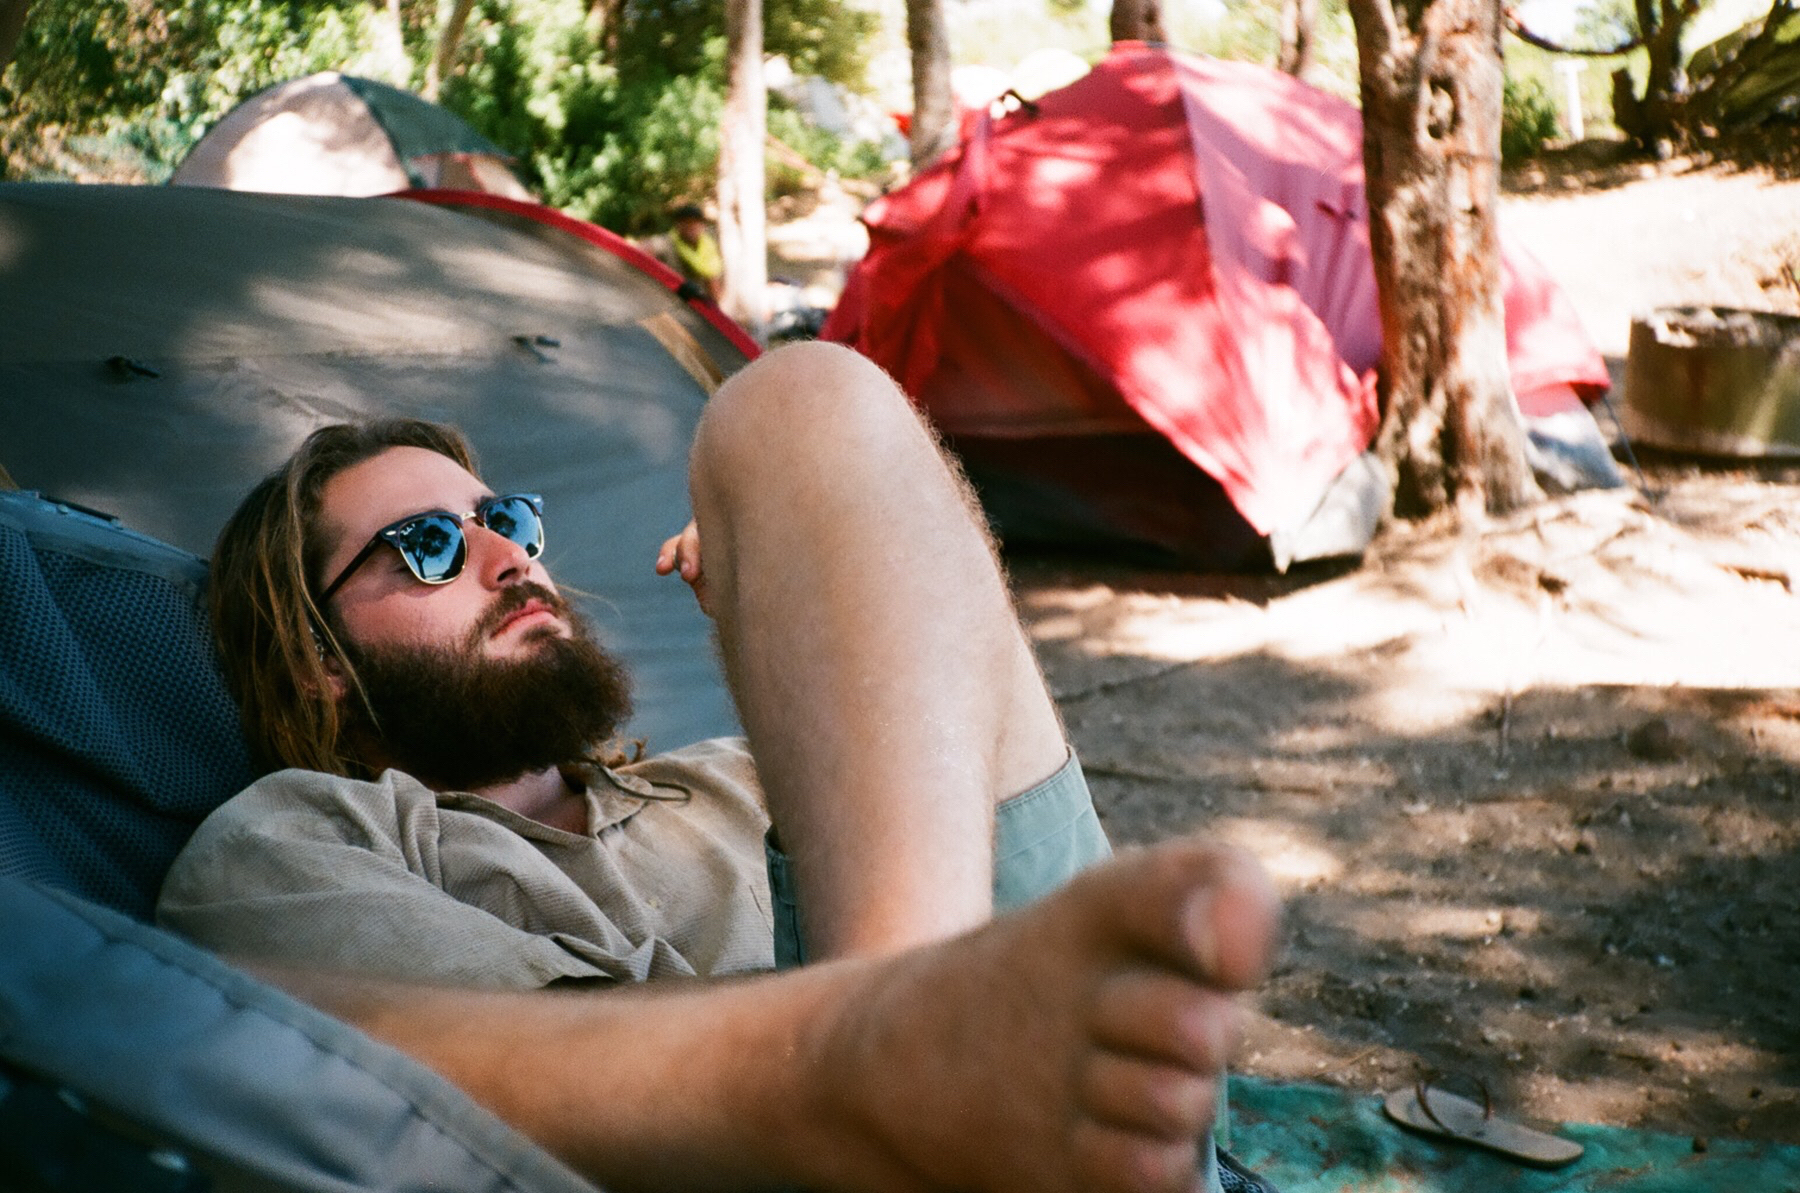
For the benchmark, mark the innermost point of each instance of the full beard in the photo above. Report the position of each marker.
(459, 721)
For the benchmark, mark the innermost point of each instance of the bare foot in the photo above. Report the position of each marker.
(1075, 1045)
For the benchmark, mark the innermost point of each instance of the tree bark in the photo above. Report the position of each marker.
(389, 63)
(1662, 23)
(452, 16)
(612, 24)
(1136, 20)
(1431, 82)
(933, 120)
(1298, 20)
(743, 236)
(12, 28)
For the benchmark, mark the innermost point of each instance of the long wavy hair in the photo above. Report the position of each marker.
(272, 636)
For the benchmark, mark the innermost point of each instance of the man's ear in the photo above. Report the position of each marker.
(333, 667)
(334, 677)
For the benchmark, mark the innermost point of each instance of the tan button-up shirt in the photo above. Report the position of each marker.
(390, 878)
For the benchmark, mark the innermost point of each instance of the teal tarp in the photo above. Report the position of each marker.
(1316, 1139)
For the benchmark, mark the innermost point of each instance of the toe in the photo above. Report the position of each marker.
(1110, 1160)
(1161, 1016)
(1162, 1101)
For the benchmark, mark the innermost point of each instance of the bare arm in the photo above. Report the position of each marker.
(683, 1085)
(1071, 1047)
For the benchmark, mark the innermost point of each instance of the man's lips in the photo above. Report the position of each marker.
(529, 612)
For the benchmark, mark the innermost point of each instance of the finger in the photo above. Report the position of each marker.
(668, 554)
(1163, 1101)
(688, 548)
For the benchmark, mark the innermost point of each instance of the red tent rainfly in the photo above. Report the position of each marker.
(1163, 265)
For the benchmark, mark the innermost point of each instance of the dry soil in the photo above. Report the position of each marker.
(1531, 793)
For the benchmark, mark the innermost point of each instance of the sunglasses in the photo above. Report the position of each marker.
(434, 546)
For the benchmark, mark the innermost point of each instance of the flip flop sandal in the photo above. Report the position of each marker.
(1434, 1112)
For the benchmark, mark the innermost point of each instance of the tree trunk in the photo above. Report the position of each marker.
(1298, 19)
(933, 119)
(12, 27)
(1431, 82)
(743, 237)
(612, 25)
(452, 16)
(1136, 20)
(1662, 23)
(389, 63)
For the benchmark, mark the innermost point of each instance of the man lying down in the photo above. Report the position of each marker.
(451, 837)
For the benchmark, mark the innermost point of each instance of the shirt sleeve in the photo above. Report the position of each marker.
(309, 870)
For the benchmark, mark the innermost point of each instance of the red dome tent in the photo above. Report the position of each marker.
(1161, 266)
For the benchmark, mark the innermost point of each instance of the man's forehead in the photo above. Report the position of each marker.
(395, 484)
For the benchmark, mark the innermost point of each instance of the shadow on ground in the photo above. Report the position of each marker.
(1586, 898)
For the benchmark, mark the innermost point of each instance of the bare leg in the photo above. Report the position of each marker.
(887, 690)
(1070, 1047)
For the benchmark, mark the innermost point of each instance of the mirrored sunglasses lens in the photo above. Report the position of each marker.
(516, 519)
(433, 547)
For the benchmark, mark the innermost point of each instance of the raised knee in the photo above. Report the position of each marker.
(809, 401)
(796, 391)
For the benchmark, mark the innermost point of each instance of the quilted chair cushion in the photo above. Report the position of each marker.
(116, 733)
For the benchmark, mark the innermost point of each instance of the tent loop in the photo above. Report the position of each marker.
(535, 344)
(124, 368)
(1019, 102)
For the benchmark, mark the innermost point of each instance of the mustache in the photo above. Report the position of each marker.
(514, 598)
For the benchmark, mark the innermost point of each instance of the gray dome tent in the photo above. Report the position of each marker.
(236, 323)
(160, 349)
(336, 134)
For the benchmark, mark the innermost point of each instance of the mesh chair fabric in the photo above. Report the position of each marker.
(117, 735)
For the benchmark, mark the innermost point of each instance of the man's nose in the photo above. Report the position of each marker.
(498, 560)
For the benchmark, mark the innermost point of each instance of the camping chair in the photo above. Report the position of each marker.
(129, 1059)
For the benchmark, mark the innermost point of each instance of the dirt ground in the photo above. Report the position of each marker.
(1533, 795)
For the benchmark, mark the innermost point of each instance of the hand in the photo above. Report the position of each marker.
(681, 555)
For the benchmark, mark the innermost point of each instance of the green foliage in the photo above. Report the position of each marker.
(1250, 31)
(622, 142)
(819, 147)
(121, 89)
(1527, 63)
(665, 151)
(1603, 24)
(614, 146)
(124, 87)
(817, 37)
(1527, 119)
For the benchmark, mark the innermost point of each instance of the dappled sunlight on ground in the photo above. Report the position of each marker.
(1530, 796)
(1293, 861)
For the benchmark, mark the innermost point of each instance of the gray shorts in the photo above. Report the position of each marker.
(1042, 838)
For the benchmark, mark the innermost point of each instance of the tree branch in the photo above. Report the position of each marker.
(1517, 28)
(1377, 32)
(1756, 50)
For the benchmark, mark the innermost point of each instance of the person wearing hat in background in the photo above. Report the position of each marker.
(696, 251)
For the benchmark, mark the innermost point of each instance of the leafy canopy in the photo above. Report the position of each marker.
(121, 89)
